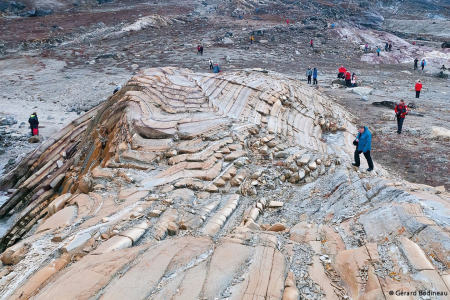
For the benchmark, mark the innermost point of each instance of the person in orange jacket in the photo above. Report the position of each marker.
(401, 110)
(418, 88)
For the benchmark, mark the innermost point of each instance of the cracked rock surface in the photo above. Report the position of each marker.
(185, 185)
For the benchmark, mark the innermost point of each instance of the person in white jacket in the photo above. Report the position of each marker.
(211, 64)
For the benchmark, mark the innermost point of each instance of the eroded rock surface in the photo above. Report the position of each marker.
(216, 186)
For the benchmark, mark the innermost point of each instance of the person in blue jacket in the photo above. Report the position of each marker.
(315, 76)
(363, 144)
(216, 68)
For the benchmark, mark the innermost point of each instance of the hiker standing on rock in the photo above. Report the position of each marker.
(211, 64)
(390, 47)
(287, 22)
(118, 87)
(386, 47)
(366, 47)
(416, 61)
(342, 71)
(401, 110)
(34, 124)
(311, 44)
(198, 49)
(309, 73)
(201, 50)
(315, 76)
(378, 50)
(216, 68)
(353, 79)
(418, 88)
(363, 143)
(348, 79)
(423, 63)
(252, 39)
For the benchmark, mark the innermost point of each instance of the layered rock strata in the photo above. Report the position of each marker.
(216, 186)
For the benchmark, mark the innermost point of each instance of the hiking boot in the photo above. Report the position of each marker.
(355, 165)
(369, 169)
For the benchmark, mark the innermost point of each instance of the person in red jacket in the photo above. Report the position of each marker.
(348, 78)
(401, 110)
(311, 44)
(418, 88)
(342, 70)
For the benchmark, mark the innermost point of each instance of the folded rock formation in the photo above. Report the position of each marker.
(216, 186)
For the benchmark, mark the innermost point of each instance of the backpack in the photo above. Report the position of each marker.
(402, 110)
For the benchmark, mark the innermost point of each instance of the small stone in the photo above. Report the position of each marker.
(440, 189)
(105, 220)
(211, 188)
(257, 174)
(57, 238)
(151, 197)
(277, 227)
(264, 149)
(274, 204)
(155, 213)
(168, 201)
(252, 225)
(34, 139)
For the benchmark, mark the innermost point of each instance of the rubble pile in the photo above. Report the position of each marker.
(216, 186)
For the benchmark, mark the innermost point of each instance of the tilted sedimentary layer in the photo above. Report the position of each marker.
(216, 186)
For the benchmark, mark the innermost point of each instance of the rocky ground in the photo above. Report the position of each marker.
(66, 63)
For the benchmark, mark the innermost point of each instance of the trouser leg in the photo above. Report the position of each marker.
(369, 159)
(417, 94)
(400, 124)
(309, 78)
(357, 161)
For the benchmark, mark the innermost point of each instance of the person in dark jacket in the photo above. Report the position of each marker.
(401, 110)
(315, 76)
(34, 123)
(390, 47)
(364, 145)
(309, 73)
(201, 50)
(386, 47)
(415, 64)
